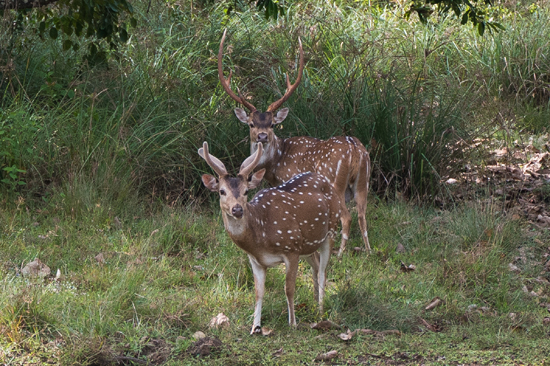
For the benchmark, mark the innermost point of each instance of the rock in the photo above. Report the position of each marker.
(199, 335)
(36, 269)
(400, 248)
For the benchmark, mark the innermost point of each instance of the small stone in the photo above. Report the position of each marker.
(400, 248)
(199, 335)
(36, 269)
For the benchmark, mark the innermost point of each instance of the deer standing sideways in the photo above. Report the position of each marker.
(343, 160)
(279, 225)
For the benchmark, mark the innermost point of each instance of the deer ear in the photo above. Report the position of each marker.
(256, 178)
(280, 116)
(210, 182)
(241, 115)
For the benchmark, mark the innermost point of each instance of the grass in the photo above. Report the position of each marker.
(166, 275)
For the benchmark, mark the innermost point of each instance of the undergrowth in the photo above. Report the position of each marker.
(131, 126)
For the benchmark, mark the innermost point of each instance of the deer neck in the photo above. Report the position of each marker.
(273, 153)
(239, 230)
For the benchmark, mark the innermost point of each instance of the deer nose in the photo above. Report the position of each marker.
(237, 211)
(262, 137)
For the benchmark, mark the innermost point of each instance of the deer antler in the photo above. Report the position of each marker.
(250, 163)
(290, 88)
(211, 160)
(227, 82)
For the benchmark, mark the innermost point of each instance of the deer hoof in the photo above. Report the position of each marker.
(256, 330)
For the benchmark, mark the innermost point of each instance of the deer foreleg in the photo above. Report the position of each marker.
(259, 285)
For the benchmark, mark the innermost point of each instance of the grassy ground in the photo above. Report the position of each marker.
(165, 276)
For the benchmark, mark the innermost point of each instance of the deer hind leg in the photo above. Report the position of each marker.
(324, 256)
(291, 263)
(259, 285)
(361, 192)
(345, 219)
(313, 261)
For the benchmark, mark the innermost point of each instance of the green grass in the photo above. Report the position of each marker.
(166, 275)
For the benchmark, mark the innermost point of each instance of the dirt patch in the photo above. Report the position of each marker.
(518, 176)
(205, 347)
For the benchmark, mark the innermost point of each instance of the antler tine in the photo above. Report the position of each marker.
(250, 163)
(226, 83)
(290, 88)
(211, 160)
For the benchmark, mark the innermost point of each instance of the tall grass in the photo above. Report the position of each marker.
(130, 128)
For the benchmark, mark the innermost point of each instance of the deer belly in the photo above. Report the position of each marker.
(270, 259)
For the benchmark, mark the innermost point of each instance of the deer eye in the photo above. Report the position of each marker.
(222, 192)
(246, 191)
(251, 125)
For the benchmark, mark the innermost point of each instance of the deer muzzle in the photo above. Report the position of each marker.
(237, 211)
(262, 137)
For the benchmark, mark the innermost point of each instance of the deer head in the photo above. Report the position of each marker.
(233, 191)
(261, 123)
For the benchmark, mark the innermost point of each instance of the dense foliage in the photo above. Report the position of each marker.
(131, 125)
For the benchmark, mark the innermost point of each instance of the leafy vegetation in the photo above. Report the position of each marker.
(98, 155)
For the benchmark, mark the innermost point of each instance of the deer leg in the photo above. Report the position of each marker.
(313, 261)
(259, 285)
(345, 219)
(324, 256)
(360, 196)
(291, 263)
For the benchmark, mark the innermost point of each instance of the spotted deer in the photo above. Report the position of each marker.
(343, 160)
(279, 225)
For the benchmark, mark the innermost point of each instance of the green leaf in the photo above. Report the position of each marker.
(123, 35)
(67, 27)
(78, 28)
(53, 32)
(70, 94)
(67, 44)
(133, 22)
(481, 28)
(42, 27)
(464, 19)
(456, 9)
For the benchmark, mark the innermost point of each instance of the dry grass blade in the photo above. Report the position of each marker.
(327, 356)
(325, 325)
(433, 304)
